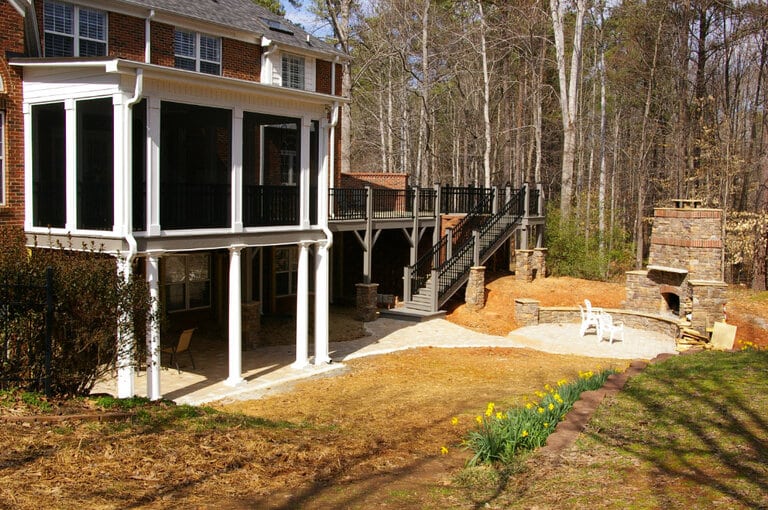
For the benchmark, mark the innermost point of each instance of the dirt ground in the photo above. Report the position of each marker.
(747, 311)
(370, 436)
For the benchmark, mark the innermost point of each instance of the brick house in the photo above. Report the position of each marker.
(194, 141)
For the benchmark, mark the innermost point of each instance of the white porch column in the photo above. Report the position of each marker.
(237, 170)
(304, 175)
(70, 157)
(153, 165)
(153, 328)
(125, 344)
(235, 319)
(302, 308)
(321, 304)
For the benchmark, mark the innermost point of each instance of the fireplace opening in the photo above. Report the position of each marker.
(672, 301)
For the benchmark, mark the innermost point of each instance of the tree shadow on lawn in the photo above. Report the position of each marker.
(697, 425)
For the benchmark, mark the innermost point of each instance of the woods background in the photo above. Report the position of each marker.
(615, 107)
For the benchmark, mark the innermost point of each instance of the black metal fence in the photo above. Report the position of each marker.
(26, 319)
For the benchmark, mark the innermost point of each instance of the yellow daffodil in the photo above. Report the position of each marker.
(562, 382)
(551, 406)
(443, 450)
(525, 433)
(528, 405)
(499, 416)
(479, 419)
(546, 424)
(540, 410)
(454, 421)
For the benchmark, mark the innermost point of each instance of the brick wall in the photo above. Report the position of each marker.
(162, 44)
(126, 37)
(12, 40)
(339, 70)
(375, 180)
(241, 60)
(323, 80)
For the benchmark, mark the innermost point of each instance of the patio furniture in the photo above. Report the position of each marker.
(606, 325)
(182, 345)
(589, 318)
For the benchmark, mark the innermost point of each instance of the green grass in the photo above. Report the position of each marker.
(690, 432)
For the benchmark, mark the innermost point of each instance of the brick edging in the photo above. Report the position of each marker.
(576, 420)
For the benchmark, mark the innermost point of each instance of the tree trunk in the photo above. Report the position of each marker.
(568, 83)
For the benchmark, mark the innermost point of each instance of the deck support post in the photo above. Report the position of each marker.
(125, 344)
(302, 307)
(235, 319)
(153, 328)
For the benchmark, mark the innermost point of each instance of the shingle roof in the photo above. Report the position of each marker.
(243, 15)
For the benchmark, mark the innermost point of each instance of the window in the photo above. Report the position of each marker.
(72, 31)
(2, 156)
(187, 282)
(197, 52)
(95, 164)
(293, 72)
(49, 197)
(286, 266)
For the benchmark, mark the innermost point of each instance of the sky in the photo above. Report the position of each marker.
(307, 20)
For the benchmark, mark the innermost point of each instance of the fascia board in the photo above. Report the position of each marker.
(120, 66)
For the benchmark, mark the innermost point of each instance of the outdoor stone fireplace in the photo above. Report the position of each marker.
(684, 276)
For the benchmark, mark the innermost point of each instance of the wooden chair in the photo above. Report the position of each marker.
(182, 345)
(608, 326)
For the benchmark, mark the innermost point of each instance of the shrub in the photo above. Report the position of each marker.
(570, 253)
(91, 304)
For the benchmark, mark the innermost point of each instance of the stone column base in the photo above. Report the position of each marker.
(474, 296)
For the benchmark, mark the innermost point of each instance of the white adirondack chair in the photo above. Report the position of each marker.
(589, 319)
(608, 326)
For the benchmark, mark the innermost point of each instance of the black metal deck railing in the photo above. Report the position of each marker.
(270, 205)
(490, 235)
(440, 253)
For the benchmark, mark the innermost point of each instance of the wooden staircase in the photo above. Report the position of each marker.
(441, 272)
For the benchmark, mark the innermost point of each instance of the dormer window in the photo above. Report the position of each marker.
(73, 31)
(197, 52)
(293, 71)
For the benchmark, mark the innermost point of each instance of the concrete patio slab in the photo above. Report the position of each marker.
(269, 369)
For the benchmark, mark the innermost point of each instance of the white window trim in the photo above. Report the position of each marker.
(3, 180)
(303, 59)
(76, 27)
(197, 58)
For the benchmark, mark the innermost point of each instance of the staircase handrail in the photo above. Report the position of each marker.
(448, 276)
(420, 270)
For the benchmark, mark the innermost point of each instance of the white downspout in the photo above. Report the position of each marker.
(148, 38)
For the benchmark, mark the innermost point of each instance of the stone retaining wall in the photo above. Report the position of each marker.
(528, 313)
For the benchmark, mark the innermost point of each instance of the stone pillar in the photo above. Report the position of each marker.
(708, 299)
(539, 263)
(474, 296)
(526, 312)
(365, 302)
(523, 270)
(251, 311)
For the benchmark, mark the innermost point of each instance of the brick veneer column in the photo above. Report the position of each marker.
(365, 303)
